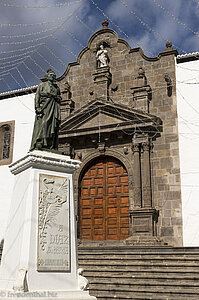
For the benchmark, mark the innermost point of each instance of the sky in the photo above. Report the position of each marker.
(38, 34)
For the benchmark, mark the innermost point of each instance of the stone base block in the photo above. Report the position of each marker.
(144, 221)
(144, 241)
(144, 232)
(102, 80)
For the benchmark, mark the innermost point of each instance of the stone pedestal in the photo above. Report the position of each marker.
(40, 250)
(144, 221)
(102, 80)
(141, 92)
(144, 231)
(141, 97)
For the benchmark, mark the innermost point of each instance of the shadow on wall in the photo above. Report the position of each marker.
(1, 244)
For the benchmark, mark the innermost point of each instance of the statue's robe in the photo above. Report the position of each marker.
(48, 117)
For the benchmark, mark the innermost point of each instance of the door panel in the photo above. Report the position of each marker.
(104, 201)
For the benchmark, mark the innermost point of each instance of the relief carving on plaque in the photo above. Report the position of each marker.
(53, 223)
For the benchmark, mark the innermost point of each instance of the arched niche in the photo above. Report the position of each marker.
(6, 142)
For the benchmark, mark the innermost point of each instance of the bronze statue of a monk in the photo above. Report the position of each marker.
(48, 117)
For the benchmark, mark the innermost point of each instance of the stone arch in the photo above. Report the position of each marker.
(89, 157)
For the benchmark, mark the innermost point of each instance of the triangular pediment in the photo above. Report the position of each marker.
(105, 116)
(100, 119)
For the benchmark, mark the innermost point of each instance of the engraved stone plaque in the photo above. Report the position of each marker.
(53, 224)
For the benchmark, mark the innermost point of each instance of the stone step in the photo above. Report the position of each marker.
(135, 268)
(189, 276)
(126, 259)
(104, 295)
(139, 263)
(146, 271)
(95, 248)
(136, 250)
(149, 282)
(138, 255)
(143, 273)
(117, 292)
(130, 257)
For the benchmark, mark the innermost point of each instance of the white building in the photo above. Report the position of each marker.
(187, 84)
(17, 113)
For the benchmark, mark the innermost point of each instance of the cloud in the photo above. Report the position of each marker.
(150, 25)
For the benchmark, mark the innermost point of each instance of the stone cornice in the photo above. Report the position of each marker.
(43, 159)
(20, 92)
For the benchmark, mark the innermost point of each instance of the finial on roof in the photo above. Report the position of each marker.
(169, 45)
(105, 24)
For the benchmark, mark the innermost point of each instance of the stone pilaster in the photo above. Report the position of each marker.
(146, 176)
(137, 177)
(144, 216)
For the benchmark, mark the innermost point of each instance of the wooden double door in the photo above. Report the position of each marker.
(104, 201)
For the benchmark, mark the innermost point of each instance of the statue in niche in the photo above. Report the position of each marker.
(102, 56)
(48, 117)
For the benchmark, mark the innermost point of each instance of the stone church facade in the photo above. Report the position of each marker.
(119, 117)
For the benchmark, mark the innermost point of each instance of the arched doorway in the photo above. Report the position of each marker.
(104, 201)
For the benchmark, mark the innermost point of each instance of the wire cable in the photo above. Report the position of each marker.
(33, 24)
(7, 84)
(48, 63)
(106, 16)
(64, 46)
(12, 61)
(15, 80)
(148, 26)
(187, 101)
(45, 6)
(59, 59)
(22, 77)
(22, 49)
(175, 18)
(17, 55)
(29, 34)
(59, 27)
(84, 24)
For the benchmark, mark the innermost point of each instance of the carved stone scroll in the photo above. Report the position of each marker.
(53, 224)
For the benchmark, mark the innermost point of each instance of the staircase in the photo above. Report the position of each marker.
(127, 272)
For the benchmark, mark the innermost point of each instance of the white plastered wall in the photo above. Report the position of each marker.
(187, 76)
(21, 110)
